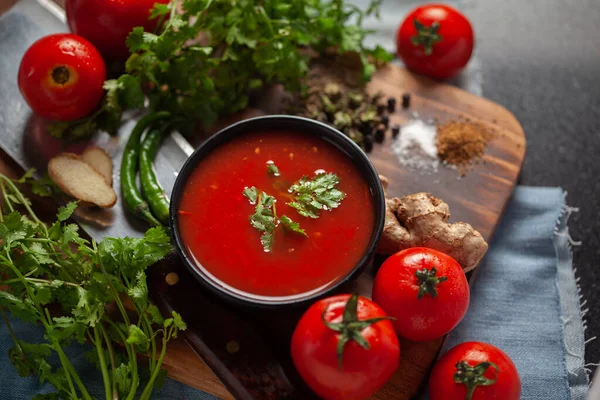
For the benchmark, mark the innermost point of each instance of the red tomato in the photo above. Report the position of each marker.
(425, 290)
(475, 371)
(106, 23)
(61, 77)
(435, 40)
(366, 361)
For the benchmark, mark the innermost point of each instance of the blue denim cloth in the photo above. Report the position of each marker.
(525, 300)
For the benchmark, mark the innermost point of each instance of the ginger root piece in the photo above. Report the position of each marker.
(422, 220)
(79, 180)
(99, 159)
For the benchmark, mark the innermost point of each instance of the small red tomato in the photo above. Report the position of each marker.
(61, 77)
(426, 291)
(107, 23)
(475, 371)
(345, 348)
(435, 40)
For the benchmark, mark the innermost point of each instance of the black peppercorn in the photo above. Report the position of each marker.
(385, 120)
(380, 133)
(380, 108)
(395, 130)
(368, 143)
(391, 104)
(406, 100)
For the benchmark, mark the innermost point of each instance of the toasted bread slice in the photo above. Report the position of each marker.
(78, 179)
(99, 159)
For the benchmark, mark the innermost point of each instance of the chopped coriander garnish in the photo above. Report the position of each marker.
(316, 194)
(265, 218)
(272, 169)
(291, 225)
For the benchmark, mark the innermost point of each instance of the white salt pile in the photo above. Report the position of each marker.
(415, 146)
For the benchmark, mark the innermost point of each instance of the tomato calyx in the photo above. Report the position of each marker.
(350, 328)
(428, 282)
(426, 36)
(61, 75)
(473, 376)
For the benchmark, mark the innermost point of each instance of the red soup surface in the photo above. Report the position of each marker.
(214, 216)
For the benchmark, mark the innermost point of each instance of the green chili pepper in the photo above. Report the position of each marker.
(129, 166)
(151, 188)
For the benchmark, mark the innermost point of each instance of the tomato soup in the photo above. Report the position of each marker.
(214, 216)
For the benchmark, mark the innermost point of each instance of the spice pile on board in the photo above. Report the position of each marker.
(461, 143)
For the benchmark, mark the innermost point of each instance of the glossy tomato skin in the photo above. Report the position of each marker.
(396, 290)
(506, 387)
(106, 23)
(61, 77)
(449, 55)
(363, 371)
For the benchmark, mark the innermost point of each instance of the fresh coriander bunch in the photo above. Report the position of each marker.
(53, 277)
(212, 54)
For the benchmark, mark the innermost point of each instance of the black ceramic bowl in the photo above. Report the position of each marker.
(302, 126)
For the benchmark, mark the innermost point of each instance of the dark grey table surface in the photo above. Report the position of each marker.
(541, 60)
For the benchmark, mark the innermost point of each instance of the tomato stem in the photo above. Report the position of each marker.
(350, 328)
(472, 377)
(428, 282)
(60, 75)
(426, 36)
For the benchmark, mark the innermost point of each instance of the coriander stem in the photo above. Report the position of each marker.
(115, 394)
(24, 201)
(63, 361)
(163, 351)
(102, 359)
(152, 340)
(37, 280)
(10, 330)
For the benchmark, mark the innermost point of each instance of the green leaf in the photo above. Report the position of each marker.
(25, 310)
(272, 169)
(65, 212)
(123, 379)
(291, 225)
(27, 176)
(155, 315)
(316, 194)
(159, 10)
(138, 338)
(178, 323)
(251, 194)
(139, 292)
(139, 40)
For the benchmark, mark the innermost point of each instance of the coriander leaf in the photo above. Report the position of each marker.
(139, 40)
(159, 10)
(27, 176)
(14, 227)
(41, 293)
(251, 194)
(264, 219)
(316, 194)
(23, 309)
(291, 225)
(178, 322)
(65, 212)
(155, 315)
(138, 338)
(89, 309)
(123, 379)
(272, 169)
(66, 329)
(44, 187)
(139, 292)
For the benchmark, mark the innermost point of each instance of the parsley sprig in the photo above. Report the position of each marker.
(213, 54)
(265, 218)
(316, 194)
(43, 265)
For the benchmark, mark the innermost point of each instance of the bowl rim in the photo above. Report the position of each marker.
(333, 136)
